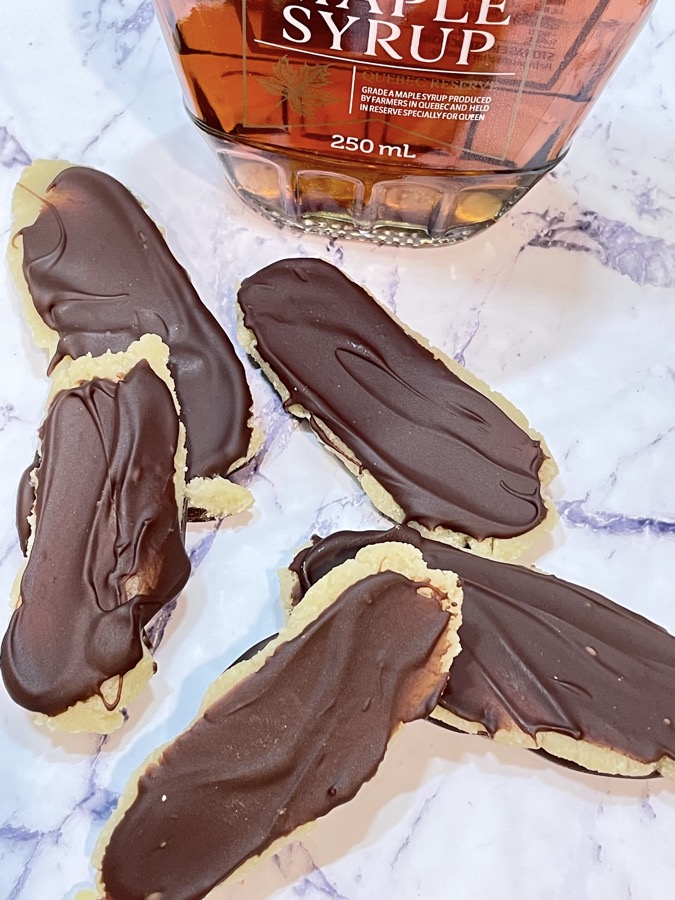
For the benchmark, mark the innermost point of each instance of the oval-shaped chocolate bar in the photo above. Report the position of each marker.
(447, 454)
(285, 744)
(108, 550)
(539, 654)
(101, 275)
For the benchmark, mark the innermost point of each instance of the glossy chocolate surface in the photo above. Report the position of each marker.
(446, 453)
(539, 653)
(101, 275)
(286, 745)
(108, 548)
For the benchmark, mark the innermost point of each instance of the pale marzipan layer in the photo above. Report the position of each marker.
(216, 497)
(585, 754)
(395, 557)
(498, 548)
(92, 715)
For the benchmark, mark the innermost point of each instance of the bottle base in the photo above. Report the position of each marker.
(392, 234)
(397, 208)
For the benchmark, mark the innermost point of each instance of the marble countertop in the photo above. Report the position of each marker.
(567, 307)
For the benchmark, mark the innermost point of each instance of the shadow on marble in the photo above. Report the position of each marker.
(416, 762)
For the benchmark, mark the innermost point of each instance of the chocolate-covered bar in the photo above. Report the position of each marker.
(99, 275)
(544, 663)
(106, 542)
(288, 735)
(431, 445)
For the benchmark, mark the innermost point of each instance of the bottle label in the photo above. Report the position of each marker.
(502, 83)
(479, 66)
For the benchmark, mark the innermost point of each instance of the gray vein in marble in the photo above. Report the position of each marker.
(665, 39)
(421, 815)
(645, 260)
(101, 133)
(336, 253)
(575, 512)
(11, 151)
(8, 550)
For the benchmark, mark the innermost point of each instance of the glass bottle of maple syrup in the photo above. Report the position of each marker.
(402, 121)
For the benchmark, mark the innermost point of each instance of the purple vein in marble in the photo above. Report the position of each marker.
(155, 630)
(293, 857)
(197, 554)
(7, 415)
(11, 151)
(645, 260)
(279, 427)
(335, 514)
(97, 803)
(575, 512)
(648, 813)
(128, 30)
(459, 355)
(646, 203)
(389, 295)
(200, 550)
(317, 885)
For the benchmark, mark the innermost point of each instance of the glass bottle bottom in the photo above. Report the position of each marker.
(399, 208)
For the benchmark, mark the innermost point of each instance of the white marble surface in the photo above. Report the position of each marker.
(567, 307)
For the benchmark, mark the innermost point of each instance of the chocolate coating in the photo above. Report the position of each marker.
(446, 453)
(286, 745)
(539, 653)
(108, 549)
(101, 275)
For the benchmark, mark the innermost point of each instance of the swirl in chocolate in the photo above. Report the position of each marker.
(284, 746)
(538, 653)
(446, 453)
(108, 548)
(101, 275)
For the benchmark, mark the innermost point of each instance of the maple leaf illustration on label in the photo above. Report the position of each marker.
(304, 87)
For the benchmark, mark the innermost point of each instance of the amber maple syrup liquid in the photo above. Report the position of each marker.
(429, 139)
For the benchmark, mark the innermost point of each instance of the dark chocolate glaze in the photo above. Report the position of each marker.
(286, 745)
(447, 454)
(107, 525)
(539, 653)
(101, 275)
(25, 499)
